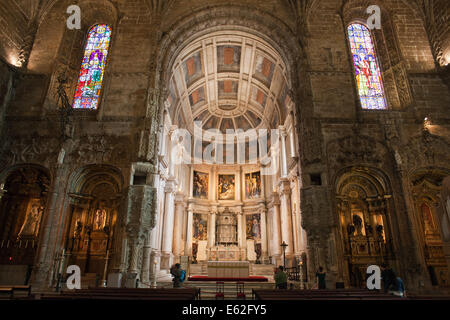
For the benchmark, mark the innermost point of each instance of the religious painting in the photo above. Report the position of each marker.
(367, 71)
(200, 185)
(228, 58)
(226, 187)
(89, 86)
(200, 226)
(30, 227)
(253, 223)
(253, 185)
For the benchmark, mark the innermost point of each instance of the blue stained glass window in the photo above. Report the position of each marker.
(92, 71)
(367, 71)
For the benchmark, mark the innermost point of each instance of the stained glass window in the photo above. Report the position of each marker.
(367, 71)
(90, 81)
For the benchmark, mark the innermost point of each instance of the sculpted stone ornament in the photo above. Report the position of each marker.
(426, 149)
(356, 149)
(64, 108)
(26, 149)
(101, 149)
(141, 206)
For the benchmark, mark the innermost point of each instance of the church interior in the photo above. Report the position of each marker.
(231, 137)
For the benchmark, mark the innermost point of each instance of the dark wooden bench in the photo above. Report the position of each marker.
(11, 292)
(126, 294)
(261, 294)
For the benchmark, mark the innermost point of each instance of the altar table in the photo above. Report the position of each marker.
(228, 269)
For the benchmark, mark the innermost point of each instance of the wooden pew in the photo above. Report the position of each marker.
(16, 291)
(126, 294)
(321, 295)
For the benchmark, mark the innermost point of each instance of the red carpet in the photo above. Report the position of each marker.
(249, 279)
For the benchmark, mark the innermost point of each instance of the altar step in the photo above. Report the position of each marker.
(208, 289)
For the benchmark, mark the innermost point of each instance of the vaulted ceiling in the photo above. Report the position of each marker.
(229, 80)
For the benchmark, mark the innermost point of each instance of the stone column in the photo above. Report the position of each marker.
(146, 256)
(264, 255)
(178, 224)
(212, 228)
(242, 230)
(283, 159)
(188, 247)
(51, 228)
(167, 240)
(276, 228)
(286, 223)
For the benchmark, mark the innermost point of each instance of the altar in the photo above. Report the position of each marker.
(228, 269)
(225, 253)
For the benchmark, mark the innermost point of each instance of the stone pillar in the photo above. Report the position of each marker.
(146, 256)
(286, 223)
(413, 261)
(178, 224)
(239, 233)
(51, 228)
(264, 255)
(188, 247)
(135, 243)
(167, 240)
(295, 233)
(283, 159)
(276, 228)
(212, 228)
(242, 230)
(171, 152)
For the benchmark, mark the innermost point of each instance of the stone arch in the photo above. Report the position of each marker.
(23, 199)
(214, 18)
(207, 20)
(430, 211)
(94, 221)
(366, 221)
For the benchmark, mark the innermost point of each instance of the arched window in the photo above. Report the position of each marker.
(90, 81)
(367, 71)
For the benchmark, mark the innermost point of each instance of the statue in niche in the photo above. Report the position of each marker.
(30, 227)
(78, 229)
(99, 219)
(380, 231)
(357, 222)
(428, 219)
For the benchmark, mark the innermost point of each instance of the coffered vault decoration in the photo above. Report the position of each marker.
(229, 81)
